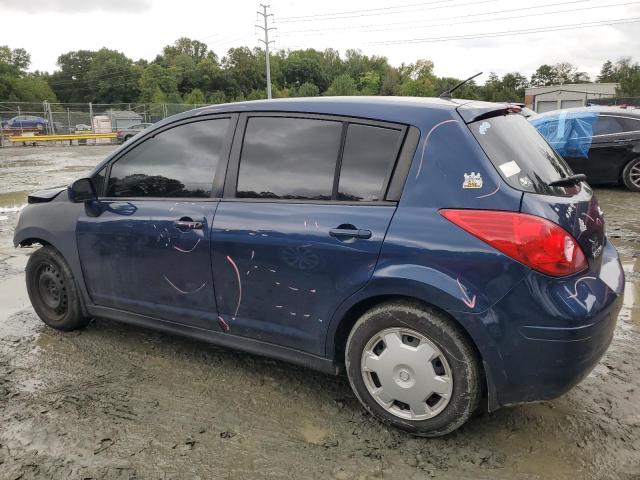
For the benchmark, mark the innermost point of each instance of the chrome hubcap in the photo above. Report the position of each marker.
(634, 175)
(407, 374)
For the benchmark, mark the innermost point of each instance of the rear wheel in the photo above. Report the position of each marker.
(52, 290)
(413, 368)
(631, 175)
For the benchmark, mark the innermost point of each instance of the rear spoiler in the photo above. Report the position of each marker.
(474, 111)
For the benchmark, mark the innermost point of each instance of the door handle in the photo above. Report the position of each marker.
(341, 233)
(185, 224)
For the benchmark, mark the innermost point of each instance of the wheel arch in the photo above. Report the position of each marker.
(352, 309)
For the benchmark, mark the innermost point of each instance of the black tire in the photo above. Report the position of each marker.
(463, 364)
(630, 174)
(52, 290)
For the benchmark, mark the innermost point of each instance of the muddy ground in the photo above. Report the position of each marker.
(114, 401)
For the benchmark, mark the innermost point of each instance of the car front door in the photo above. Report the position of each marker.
(301, 224)
(611, 149)
(144, 245)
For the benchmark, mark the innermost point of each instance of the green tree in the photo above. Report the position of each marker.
(111, 78)
(608, 73)
(369, 83)
(307, 89)
(417, 79)
(342, 85)
(70, 82)
(195, 97)
(158, 84)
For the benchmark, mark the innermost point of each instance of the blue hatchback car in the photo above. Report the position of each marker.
(438, 251)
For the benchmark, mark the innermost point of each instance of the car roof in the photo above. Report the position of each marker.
(625, 112)
(392, 109)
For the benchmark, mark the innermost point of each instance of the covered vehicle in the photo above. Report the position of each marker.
(434, 250)
(601, 142)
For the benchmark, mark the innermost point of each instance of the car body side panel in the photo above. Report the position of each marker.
(54, 222)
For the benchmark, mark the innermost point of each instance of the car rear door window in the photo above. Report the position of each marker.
(179, 162)
(607, 125)
(369, 155)
(631, 124)
(289, 158)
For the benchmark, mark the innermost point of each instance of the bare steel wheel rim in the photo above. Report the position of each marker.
(634, 174)
(406, 374)
(52, 291)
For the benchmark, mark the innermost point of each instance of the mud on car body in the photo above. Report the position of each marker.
(438, 251)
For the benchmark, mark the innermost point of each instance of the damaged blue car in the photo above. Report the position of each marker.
(439, 252)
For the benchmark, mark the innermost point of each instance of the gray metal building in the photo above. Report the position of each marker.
(553, 97)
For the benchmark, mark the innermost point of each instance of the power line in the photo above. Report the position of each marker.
(509, 32)
(420, 24)
(369, 13)
(411, 5)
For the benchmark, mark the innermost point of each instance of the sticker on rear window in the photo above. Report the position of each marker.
(484, 126)
(509, 169)
(472, 180)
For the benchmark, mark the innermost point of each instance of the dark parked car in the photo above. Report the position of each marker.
(601, 142)
(126, 133)
(434, 250)
(27, 122)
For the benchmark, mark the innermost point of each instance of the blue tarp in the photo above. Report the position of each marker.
(570, 133)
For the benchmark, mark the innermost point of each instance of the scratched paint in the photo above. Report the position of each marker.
(490, 194)
(187, 250)
(469, 302)
(235, 267)
(426, 141)
(224, 325)
(183, 292)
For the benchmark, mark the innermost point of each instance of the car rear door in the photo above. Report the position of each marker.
(144, 246)
(614, 138)
(301, 223)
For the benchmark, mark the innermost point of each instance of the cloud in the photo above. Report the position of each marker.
(76, 6)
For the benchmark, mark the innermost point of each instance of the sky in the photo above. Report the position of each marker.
(461, 37)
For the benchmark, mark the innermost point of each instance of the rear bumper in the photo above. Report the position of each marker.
(548, 334)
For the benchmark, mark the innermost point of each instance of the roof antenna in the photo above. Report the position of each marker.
(446, 95)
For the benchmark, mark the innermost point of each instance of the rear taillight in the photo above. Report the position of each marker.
(534, 241)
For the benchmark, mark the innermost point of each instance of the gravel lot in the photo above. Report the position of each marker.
(114, 401)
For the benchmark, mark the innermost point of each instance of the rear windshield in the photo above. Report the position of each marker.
(521, 155)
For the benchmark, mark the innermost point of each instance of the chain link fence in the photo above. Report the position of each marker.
(44, 118)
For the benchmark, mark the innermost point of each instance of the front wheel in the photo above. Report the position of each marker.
(631, 175)
(412, 368)
(52, 290)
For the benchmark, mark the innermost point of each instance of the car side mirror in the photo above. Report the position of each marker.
(82, 190)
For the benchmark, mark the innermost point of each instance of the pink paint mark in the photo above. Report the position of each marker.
(235, 267)
(277, 283)
(187, 251)
(293, 288)
(253, 254)
(223, 325)
(489, 194)
(278, 306)
(469, 302)
(575, 286)
(272, 270)
(293, 314)
(426, 140)
(313, 290)
(184, 292)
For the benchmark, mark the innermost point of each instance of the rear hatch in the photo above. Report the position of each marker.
(527, 163)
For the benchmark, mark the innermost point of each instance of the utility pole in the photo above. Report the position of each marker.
(266, 42)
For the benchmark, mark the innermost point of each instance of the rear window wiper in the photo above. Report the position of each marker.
(568, 181)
